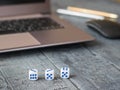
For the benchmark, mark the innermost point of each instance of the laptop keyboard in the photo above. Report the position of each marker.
(28, 25)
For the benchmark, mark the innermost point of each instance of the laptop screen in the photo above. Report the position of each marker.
(12, 2)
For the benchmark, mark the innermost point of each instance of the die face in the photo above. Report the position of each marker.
(49, 74)
(33, 74)
(65, 72)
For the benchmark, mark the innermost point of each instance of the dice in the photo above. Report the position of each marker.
(65, 72)
(33, 74)
(49, 74)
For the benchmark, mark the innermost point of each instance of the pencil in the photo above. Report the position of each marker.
(93, 12)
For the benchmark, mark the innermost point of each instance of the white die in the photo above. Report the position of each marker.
(65, 72)
(49, 74)
(33, 74)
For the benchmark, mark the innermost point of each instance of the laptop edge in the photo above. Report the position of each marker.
(37, 39)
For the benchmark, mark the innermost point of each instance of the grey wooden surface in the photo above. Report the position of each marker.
(94, 65)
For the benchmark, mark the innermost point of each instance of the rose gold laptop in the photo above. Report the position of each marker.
(28, 24)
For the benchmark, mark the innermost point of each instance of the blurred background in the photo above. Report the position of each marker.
(112, 6)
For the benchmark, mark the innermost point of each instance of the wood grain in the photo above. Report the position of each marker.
(15, 69)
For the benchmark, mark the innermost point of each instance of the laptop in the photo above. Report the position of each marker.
(29, 24)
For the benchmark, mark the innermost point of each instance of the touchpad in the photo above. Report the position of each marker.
(20, 40)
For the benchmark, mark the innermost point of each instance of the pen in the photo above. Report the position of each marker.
(85, 15)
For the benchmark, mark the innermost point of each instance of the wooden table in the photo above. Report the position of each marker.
(94, 65)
